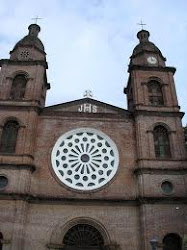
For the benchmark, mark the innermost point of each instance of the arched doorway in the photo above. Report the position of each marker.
(83, 237)
(172, 242)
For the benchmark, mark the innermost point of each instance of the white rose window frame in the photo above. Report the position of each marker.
(85, 159)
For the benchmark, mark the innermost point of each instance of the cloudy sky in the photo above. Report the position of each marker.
(88, 42)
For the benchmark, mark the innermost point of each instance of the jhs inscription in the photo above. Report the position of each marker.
(89, 108)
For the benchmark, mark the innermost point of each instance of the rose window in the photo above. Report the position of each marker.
(85, 159)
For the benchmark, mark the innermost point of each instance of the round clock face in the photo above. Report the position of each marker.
(152, 60)
(85, 159)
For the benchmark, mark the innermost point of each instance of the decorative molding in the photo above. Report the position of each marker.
(19, 72)
(158, 113)
(19, 167)
(12, 118)
(83, 116)
(63, 247)
(21, 63)
(151, 68)
(152, 127)
(161, 171)
(36, 199)
(24, 104)
(154, 78)
(55, 246)
(161, 159)
(61, 229)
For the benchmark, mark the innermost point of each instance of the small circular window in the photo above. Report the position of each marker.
(3, 182)
(24, 54)
(167, 187)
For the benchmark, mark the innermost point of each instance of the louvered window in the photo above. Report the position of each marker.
(18, 87)
(161, 142)
(9, 137)
(155, 93)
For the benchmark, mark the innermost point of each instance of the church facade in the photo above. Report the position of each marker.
(86, 174)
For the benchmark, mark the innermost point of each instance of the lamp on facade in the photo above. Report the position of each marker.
(154, 243)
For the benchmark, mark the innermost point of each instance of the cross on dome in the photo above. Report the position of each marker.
(141, 23)
(36, 19)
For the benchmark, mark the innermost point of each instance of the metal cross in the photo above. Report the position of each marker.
(88, 93)
(141, 23)
(36, 19)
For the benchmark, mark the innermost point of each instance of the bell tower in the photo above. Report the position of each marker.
(23, 86)
(161, 155)
(151, 85)
(23, 77)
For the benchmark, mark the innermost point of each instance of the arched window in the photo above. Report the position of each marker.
(155, 93)
(172, 242)
(83, 236)
(18, 87)
(161, 142)
(9, 137)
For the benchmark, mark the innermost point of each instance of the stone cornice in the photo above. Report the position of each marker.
(6, 105)
(158, 113)
(78, 115)
(23, 63)
(19, 167)
(151, 68)
(160, 171)
(39, 199)
(63, 247)
(162, 159)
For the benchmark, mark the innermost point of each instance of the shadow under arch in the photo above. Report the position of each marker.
(20, 72)
(60, 230)
(156, 124)
(156, 79)
(11, 118)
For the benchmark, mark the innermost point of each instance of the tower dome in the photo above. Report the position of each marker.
(31, 40)
(145, 45)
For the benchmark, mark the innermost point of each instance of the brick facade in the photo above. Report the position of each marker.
(37, 209)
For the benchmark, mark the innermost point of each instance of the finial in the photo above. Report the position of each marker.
(88, 94)
(34, 29)
(36, 19)
(143, 36)
(141, 23)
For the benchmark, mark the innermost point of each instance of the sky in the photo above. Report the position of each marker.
(89, 42)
